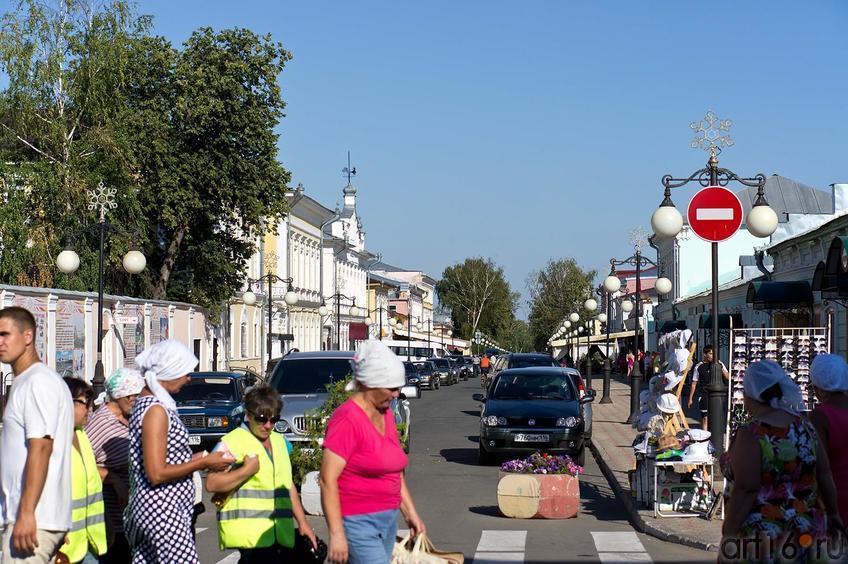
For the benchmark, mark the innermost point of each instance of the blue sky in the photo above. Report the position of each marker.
(526, 131)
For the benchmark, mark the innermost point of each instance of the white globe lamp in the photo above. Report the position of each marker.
(602, 317)
(134, 262)
(666, 221)
(249, 298)
(450, 332)
(567, 324)
(68, 261)
(591, 304)
(291, 297)
(353, 311)
(574, 318)
(580, 329)
(612, 283)
(323, 311)
(368, 321)
(761, 221)
(663, 286)
(626, 306)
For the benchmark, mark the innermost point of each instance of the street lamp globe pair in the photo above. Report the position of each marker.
(68, 261)
(291, 298)
(761, 221)
(612, 284)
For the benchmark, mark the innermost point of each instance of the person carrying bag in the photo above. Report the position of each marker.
(422, 551)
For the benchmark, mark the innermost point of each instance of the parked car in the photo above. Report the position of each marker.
(428, 375)
(210, 405)
(466, 367)
(577, 379)
(530, 409)
(519, 360)
(445, 370)
(413, 380)
(456, 366)
(302, 379)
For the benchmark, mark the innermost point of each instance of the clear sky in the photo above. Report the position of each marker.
(526, 131)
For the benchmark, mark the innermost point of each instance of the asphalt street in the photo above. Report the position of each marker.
(458, 502)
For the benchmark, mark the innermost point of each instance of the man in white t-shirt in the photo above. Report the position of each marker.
(35, 448)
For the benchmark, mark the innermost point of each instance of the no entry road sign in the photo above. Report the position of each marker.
(715, 214)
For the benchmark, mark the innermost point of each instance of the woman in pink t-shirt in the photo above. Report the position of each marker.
(362, 483)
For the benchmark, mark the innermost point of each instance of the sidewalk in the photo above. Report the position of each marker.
(611, 445)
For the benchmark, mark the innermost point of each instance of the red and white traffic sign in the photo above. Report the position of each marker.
(715, 214)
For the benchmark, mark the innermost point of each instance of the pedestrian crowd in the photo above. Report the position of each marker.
(121, 484)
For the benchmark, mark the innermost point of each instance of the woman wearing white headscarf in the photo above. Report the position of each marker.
(158, 517)
(779, 473)
(362, 482)
(829, 375)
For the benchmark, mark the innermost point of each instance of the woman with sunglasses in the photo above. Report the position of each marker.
(362, 482)
(86, 539)
(258, 503)
(109, 433)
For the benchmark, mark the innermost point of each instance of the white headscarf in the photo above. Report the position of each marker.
(829, 373)
(762, 375)
(376, 366)
(167, 360)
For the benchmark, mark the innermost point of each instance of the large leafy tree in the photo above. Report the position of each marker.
(556, 291)
(479, 297)
(185, 136)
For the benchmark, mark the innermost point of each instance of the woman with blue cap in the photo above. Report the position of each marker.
(829, 375)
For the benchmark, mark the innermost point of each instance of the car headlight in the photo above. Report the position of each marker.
(217, 421)
(568, 422)
(282, 426)
(494, 421)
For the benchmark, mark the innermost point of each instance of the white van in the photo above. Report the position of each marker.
(417, 350)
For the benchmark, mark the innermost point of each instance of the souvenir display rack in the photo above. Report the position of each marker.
(794, 348)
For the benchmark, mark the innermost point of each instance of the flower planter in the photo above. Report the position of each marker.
(539, 496)
(310, 494)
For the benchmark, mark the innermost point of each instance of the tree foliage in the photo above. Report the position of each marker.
(517, 337)
(479, 296)
(185, 136)
(555, 292)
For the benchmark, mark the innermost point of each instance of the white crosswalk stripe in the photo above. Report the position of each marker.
(623, 546)
(500, 547)
(231, 558)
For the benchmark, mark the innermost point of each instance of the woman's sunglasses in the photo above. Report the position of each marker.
(262, 419)
(88, 404)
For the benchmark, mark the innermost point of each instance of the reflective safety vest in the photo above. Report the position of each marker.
(88, 520)
(259, 512)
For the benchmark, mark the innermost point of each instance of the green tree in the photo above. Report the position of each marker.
(555, 292)
(517, 337)
(479, 297)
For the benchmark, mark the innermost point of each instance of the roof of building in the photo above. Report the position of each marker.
(384, 280)
(787, 196)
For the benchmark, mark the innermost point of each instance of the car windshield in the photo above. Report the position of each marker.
(309, 375)
(207, 389)
(424, 368)
(530, 361)
(441, 362)
(410, 368)
(531, 386)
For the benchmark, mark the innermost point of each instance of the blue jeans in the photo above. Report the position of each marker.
(371, 537)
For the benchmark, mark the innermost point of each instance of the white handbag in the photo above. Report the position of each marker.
(422, 551)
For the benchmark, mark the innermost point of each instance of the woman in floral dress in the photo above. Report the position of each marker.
(774, 513)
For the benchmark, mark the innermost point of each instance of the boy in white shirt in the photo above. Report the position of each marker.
(35, 448)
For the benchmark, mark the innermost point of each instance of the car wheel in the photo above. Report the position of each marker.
(580, 459)
(483, 457)
(432, 386)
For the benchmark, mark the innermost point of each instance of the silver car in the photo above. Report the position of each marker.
(302, 379)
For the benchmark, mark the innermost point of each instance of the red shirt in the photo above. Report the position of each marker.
(370, 481)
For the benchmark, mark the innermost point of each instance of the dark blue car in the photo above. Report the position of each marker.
(211, 405)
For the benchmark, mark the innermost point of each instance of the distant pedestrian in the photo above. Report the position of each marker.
(829, 375)
(35, 448)
(87, 538)
(158, 517)
(109, 433)
(362, 481)
(701, 376)
(631, 360)
(779, 472)
(259, 482)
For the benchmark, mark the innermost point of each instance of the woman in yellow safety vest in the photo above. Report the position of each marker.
(87, 538)
(258, 503)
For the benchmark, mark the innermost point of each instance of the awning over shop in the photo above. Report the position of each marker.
(705, 321)
(601, 338)
(664, 327)
(780, 295)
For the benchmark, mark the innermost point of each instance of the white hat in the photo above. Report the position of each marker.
(678, 361)
(762, 375)
(376, 366)
(667, 403)
(829, 372)
(697, 452)
(699, 435)
(671, 379)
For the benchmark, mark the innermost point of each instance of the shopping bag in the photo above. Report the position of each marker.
(422, 551)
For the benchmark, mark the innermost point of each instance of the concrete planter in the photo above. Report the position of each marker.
(310, 494)
(539, 496)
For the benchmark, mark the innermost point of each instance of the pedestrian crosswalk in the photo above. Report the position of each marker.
(614, 547)
(500, 547)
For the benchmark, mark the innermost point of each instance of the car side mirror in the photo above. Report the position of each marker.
(478, 397)
(589, 397)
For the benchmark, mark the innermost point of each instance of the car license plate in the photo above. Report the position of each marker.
(194, 439)
(522, 438)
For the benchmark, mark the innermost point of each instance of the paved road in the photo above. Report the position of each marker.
(457, 500)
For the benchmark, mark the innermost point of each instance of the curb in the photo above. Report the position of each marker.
(635, 517)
